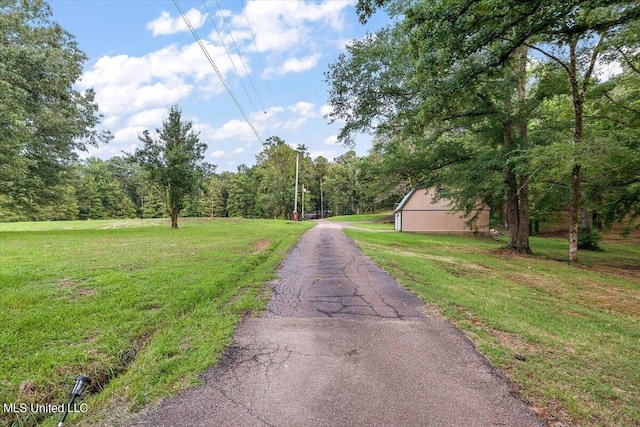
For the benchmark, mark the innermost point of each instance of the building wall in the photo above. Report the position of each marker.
(441, 222)
(421, 214)
(423, 199)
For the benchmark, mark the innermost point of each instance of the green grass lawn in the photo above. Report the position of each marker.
(139, 308)
(576, 327)
(378, 222)
(362, 218)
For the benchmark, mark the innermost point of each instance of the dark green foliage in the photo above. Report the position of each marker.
(589, 240)
(242, 194)
(276, 170)
(153, 206)
(173, 160)
(486, 99)
(44, 121)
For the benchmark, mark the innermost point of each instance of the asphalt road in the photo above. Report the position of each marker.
(343, 345)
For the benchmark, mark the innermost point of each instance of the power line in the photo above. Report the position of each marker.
(233, 62)
(255, 44)
(217, 70)
(242, 60)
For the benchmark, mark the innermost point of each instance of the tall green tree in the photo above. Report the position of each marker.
(344, 184)
(242, 199)
(613, 192)
(380, 85)
(321, 166)
(173, 160)
(44, 120)
(214, 201)
(110, 186)
(456, 43)
(275, 169)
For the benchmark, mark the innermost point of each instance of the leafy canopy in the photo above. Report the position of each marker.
(173, 160)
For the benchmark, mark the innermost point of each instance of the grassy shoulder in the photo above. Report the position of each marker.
(140, 309)
(363, 218)
(567, 336)
(377, 222)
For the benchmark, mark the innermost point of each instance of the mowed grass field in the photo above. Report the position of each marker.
(567, 336)
(142, 309)
(139, 308)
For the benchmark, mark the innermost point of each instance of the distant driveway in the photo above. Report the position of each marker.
(343, 345)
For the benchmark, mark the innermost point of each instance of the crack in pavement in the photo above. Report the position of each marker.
(309, 274)
(341, 344)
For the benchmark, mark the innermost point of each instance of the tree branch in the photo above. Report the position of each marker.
(592, 64)
(549, 55)
(633, 110)
(561, 184)
(629, 16)
(628, 61)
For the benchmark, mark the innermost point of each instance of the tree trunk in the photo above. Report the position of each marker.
(575, 209)
(174, 219)
(579, 94)
(511, 207)
(523, 216)
(321, 201)
(596, 221)
(522, 121)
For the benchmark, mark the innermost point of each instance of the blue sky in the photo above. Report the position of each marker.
(143, 59)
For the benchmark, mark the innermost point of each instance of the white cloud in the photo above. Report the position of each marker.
(161, 94)
(305, 109)
(239, 150)
(128, 134)
(294, 124)
(331, 140)
(271, 112)
(218, 154)
(327, 154)
(124, 84)
(165, 24)
(607, 70)
(342, 44)
(148, 118)
(237, 130)
(280, 25)
(326, 110)
(111, 121)
(298, 65)
(117, 70)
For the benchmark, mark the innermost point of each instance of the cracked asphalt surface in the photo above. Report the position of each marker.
(343, 345)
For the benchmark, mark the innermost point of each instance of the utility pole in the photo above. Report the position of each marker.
(295, 205)
(321, 201)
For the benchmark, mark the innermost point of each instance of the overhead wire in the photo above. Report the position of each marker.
(255, 45)
(217, 70)
(241, 58)
(233, 63)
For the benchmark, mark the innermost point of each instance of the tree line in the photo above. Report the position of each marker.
(498, 103)
(45, 122)
(504, 103)
(121, 187)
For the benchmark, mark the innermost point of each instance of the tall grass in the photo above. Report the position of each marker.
(567, 336)
(139, 308)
